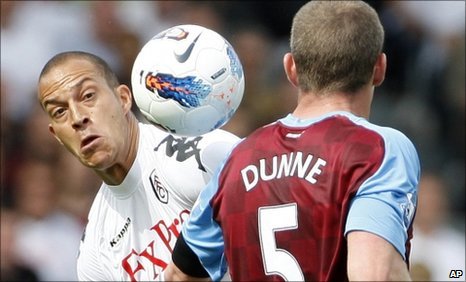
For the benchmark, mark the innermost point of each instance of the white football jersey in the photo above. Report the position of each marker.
(133, 227)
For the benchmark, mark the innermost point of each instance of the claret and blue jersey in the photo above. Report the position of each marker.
(289, 193)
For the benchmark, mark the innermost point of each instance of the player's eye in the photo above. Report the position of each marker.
(57, 112)
(88, 95)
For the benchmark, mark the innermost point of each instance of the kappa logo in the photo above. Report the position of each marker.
(183, 57)
(184, 148)
(122, 233)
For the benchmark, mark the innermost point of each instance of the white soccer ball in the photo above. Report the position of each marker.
(188, 80)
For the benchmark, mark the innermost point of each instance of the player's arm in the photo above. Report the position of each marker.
(372, 258)
(185, 265)
(381, 214)
(199, 250)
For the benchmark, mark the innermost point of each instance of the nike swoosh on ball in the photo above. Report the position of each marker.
(185, 55)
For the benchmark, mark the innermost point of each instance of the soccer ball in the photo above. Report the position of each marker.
(188, 80)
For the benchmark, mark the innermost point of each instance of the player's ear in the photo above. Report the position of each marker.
(125, 96)
(54, 134)
(290, 69)
(380, 68)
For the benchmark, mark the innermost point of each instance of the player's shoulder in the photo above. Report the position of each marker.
(391, 136)
(217, 145)
(396, 144)
(98, 207)
(367, 131)
(221, 135)
(150, 131)
(362, 126)
(384, 131)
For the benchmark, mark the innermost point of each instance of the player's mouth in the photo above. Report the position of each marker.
(88, 143)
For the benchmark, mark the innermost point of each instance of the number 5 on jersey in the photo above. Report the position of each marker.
(278, 261)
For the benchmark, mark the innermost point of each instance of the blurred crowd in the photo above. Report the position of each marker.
(46, 194)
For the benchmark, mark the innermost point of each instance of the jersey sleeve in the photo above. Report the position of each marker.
(89, 265)
(192, 162)
(385, 203)
(204, 236)
(89, 268)
(219, 144)
(216, 146)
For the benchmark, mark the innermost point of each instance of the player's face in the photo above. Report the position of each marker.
(87, 116)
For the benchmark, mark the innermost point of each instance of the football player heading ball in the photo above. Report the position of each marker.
(137, 214)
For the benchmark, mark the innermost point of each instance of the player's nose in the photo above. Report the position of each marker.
(79, 117)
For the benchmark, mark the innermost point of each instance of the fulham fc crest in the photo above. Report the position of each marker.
(160, 192)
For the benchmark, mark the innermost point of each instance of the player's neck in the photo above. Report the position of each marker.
(115, 174)
(311, 105)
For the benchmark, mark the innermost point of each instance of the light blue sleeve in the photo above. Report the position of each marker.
(203, 235)
(385, 203)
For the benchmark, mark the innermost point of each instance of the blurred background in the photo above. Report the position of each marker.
(46, 194)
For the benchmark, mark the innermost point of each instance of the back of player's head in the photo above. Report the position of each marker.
(335, 45)
(98, 62)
